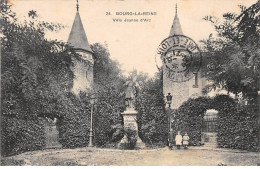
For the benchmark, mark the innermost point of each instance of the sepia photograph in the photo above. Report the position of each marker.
(130, 82)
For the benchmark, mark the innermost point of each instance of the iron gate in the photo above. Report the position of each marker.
(210, 124)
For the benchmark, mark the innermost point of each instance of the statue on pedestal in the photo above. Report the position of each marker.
(129, 115)
(131, 93)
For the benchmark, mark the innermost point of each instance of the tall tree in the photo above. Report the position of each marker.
(108, 80)
(233, 58)
(35, 80)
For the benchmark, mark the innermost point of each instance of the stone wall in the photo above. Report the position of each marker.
(182, 91)
(83, 71)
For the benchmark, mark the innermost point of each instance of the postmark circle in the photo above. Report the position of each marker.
(178, 57)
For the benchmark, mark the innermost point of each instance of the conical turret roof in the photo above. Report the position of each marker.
(176, 26)
(77, 37)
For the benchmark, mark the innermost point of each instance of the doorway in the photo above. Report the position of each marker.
(209, 128)
(51, 134)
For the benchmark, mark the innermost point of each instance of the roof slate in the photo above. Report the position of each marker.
(77, 37)
(176, 26)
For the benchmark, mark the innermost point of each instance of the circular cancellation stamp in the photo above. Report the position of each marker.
(178, 57)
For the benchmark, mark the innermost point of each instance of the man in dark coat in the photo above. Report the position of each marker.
(171, 139)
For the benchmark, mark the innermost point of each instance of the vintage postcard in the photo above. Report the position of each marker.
(130, 82)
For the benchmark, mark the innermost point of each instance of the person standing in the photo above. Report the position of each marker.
(178, 140)
(185, 140)
(171, 139)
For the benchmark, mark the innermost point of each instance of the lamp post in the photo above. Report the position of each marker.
(169, 102)
(92, 102)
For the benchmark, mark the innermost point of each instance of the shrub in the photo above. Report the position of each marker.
(107, 120)
(118, 132)
(151, 118)
(21, 134)
(74, 124)
(131, 138)
(33, 78)
(110, 99)
(237, 127)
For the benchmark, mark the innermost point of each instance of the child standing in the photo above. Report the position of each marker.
(178, 140)
(185, 140)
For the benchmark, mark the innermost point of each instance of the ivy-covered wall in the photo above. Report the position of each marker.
(73, 125)
(21, 134)
(189, 117)
(237, 124)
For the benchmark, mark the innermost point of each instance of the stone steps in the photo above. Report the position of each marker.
(210, 145)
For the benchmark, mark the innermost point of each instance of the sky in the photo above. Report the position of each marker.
(132, 44)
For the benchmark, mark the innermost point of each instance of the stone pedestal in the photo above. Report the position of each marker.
(129, 117)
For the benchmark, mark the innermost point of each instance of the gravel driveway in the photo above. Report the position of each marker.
(114, 157)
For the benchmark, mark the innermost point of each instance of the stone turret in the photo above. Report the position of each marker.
(176, 26)
(83, 68)
(183, 88)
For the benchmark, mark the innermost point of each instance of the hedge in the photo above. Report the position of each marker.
(73, 125)
(237, 127)
(237, 123)
(151, 118)
(21, 134)
(131, 138)
(189, 117)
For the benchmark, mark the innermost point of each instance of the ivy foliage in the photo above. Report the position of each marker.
(109, 95)
(73, 125)
(131, 136)
(233, 63)
(233, 56)
(35, 80)
(189, 117)
(237, 124)
(152, 119)
(20, 134)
